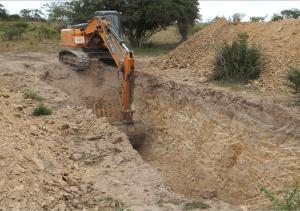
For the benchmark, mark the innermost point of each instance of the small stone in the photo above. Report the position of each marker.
(88, 162)
(115, 182)
(18, 107)
(75, 129)
(75, 202)
(93, 137)
(4, 95)
(76, 156)
(51, 199)
(67, 196)
(118, 140)
(17, 115)
(65, 127)
(209, 194)
(118, 149)
(70, 181)
(74, 189)
(83, 188)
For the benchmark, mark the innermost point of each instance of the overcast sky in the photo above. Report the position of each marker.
(208, 9)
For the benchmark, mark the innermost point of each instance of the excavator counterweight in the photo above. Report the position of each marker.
(101, 37)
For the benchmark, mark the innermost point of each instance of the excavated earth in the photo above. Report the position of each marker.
(204, 142)
(71, 160)
(209, 141)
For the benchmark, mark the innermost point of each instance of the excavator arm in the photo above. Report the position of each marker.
(101, 33)
(123, 58)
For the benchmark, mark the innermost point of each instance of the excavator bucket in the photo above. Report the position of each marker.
(136, 132)
(110, 108)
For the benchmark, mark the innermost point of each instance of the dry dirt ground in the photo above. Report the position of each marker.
(70, 159)
(204, 141)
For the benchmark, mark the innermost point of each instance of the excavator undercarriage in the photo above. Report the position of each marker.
(101, 38)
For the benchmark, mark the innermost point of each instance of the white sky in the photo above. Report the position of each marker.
(208, 9)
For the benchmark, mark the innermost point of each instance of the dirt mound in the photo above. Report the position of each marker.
(279, 42)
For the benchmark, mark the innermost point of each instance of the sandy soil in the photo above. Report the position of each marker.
(207, 140)
(204, 142)
(70, 159)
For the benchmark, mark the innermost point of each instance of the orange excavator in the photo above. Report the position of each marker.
(101, 37)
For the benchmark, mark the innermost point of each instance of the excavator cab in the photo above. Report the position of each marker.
(115, 19)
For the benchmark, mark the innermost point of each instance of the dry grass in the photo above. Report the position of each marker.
(46, 46)
(168, 36)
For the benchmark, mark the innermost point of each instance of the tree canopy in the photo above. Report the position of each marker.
(31, 14)
(186, 12)
(141, 18)
(291, 13)
(3, 12)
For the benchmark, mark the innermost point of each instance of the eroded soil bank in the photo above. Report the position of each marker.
(207, 141)
(71, 160)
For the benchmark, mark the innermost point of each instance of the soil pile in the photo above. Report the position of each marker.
(279, 42)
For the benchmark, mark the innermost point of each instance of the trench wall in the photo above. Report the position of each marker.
(206, 141)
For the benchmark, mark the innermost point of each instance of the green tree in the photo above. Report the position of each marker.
(14, 17)
(31, 14)
(218, 18)
(291, 13)
(3, 12)
(237, 17)
(276, 17)
(141, 18)
(186, 12)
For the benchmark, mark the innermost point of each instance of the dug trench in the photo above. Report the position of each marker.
(206, 142)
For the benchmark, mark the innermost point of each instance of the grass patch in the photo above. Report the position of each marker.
(117, 204)
(41, 110)
(170, 35)
(160, 203)
(151, 51)
(294, 77)
(28, 94)
(289, 199)
(195, 205)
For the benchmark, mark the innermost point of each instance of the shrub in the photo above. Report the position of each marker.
(14, 33)
(237, 61)
(28, 94)
(195, 205)
(44, 32)
(289, 200)
(21, 25)
(294, 77)
(257, 19)
(276, 17)
(41, 110)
